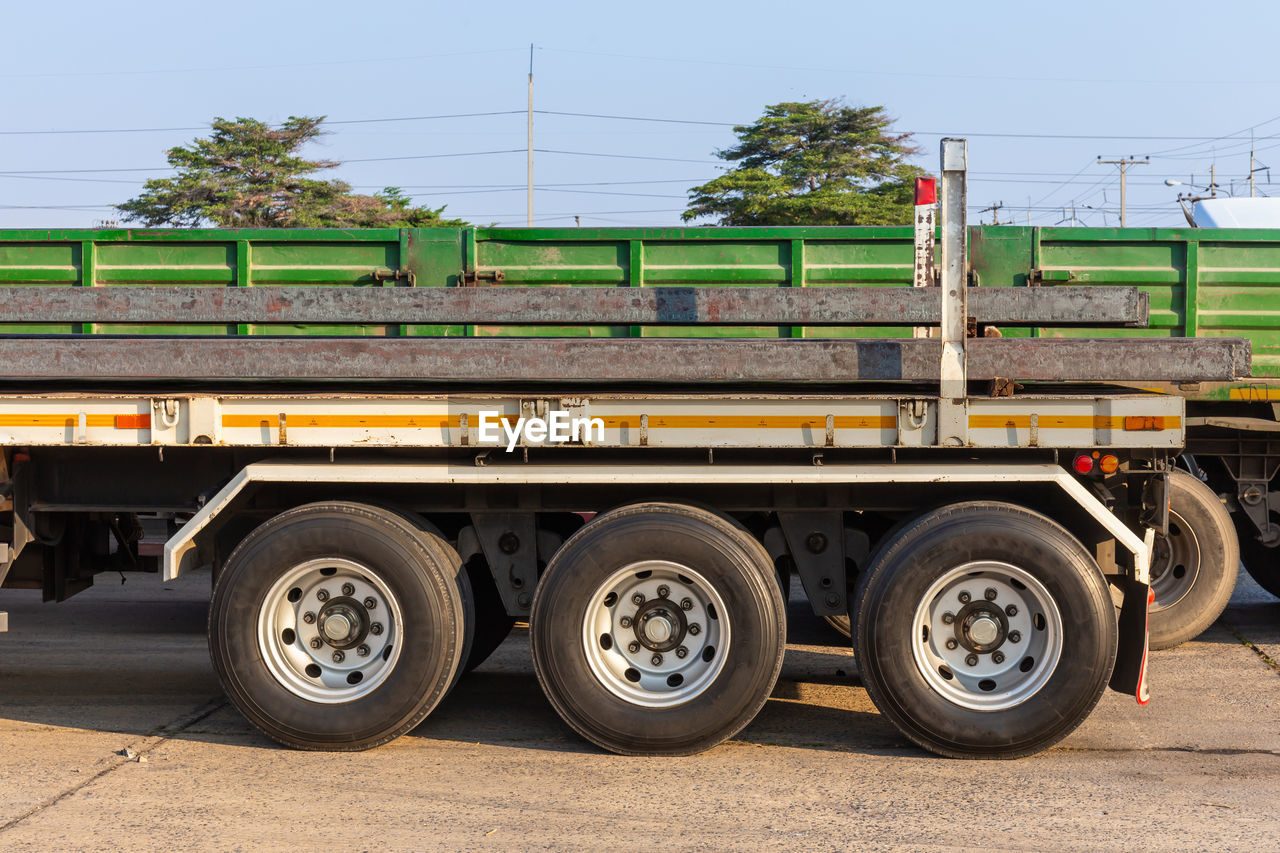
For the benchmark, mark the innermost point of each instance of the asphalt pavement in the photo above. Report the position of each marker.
(114, 734)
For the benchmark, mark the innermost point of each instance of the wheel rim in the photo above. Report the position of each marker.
(988, 636)
(1175, 563)
(329, 629)
(638, 622)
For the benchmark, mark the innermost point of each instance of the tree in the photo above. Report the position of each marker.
(812, 163)
(248, 174)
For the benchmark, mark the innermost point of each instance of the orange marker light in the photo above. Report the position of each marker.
(1109, 464)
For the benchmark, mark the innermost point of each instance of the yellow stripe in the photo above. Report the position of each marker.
(1257, 394)
(1060, 422)
(297, 421)
(752, 422)
(56, 420)
(341, 421)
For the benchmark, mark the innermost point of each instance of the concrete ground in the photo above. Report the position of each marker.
(125, 668)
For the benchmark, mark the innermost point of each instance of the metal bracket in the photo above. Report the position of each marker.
(820, 545)
(510, 544)
(405, 275)
(473, 277)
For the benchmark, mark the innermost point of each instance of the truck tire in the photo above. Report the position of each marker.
(1193, 569)
(492, 622)
(337, 626)
(471, 625)
(621, 600)
(840, 624)
(984, 630)
(1261, 559)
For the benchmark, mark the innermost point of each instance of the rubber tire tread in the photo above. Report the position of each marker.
(719, 550)
(890, 590)
(1262, 563)
(493, 623)
(1215, 534)
(409, 563)
(461, 577)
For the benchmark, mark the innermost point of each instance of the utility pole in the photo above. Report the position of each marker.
(530, 146)
(1124, 163)
(994, 210)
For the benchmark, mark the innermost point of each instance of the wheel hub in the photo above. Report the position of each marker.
(1175, 562)
(988, 635)
(344, 623)
(330, 630)
(660, 626)
(656, 633)
(981, 627)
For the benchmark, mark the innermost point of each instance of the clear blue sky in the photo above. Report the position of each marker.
(1050, 71)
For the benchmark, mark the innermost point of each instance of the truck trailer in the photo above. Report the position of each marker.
(391, 444)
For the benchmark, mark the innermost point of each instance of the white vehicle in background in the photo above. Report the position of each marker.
(1236, 213)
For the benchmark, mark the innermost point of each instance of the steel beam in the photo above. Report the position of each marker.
(561, 305)
(614, 360)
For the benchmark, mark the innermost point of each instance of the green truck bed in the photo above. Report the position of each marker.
(1207, 283)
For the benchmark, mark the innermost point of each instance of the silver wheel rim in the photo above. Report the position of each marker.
(987, 636)
(329, 630)
(656, 633)
(1175, 563)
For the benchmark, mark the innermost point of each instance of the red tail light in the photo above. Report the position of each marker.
(1083, 464)
(926, 191)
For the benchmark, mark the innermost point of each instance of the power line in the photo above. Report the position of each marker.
(664, 120)
(433, 156)
(622, 156)
(207, 70)
(887, 73)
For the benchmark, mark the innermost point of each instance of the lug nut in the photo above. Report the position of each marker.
(1015, 636)
(308, 617)
(1011, 610)
(370, 603)
(951, 643)
(998, 657)
(363, 651)
(638, 598)
(339, 657)
(972, 660)
(323, 594)
(695, 628)
(990, 594)
(316, 642)
(656, 660)
(964, 597)
(682, 652)
(686, 604)
(948, 618)
(633, 647)
(625, 621)
(348, 589)
(375, 629)
(664, 591)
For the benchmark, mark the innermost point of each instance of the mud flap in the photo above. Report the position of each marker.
(1130, 673)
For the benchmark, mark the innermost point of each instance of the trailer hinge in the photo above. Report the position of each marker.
(404, 275)
(1037, 277)
(472, 277)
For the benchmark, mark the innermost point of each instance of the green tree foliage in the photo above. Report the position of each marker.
(248, 174)
(812, 163)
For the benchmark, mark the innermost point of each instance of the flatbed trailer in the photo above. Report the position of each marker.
(382, 490)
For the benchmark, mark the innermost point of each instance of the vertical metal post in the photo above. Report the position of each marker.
(925, 223)
(953, 419)
(529, 203)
